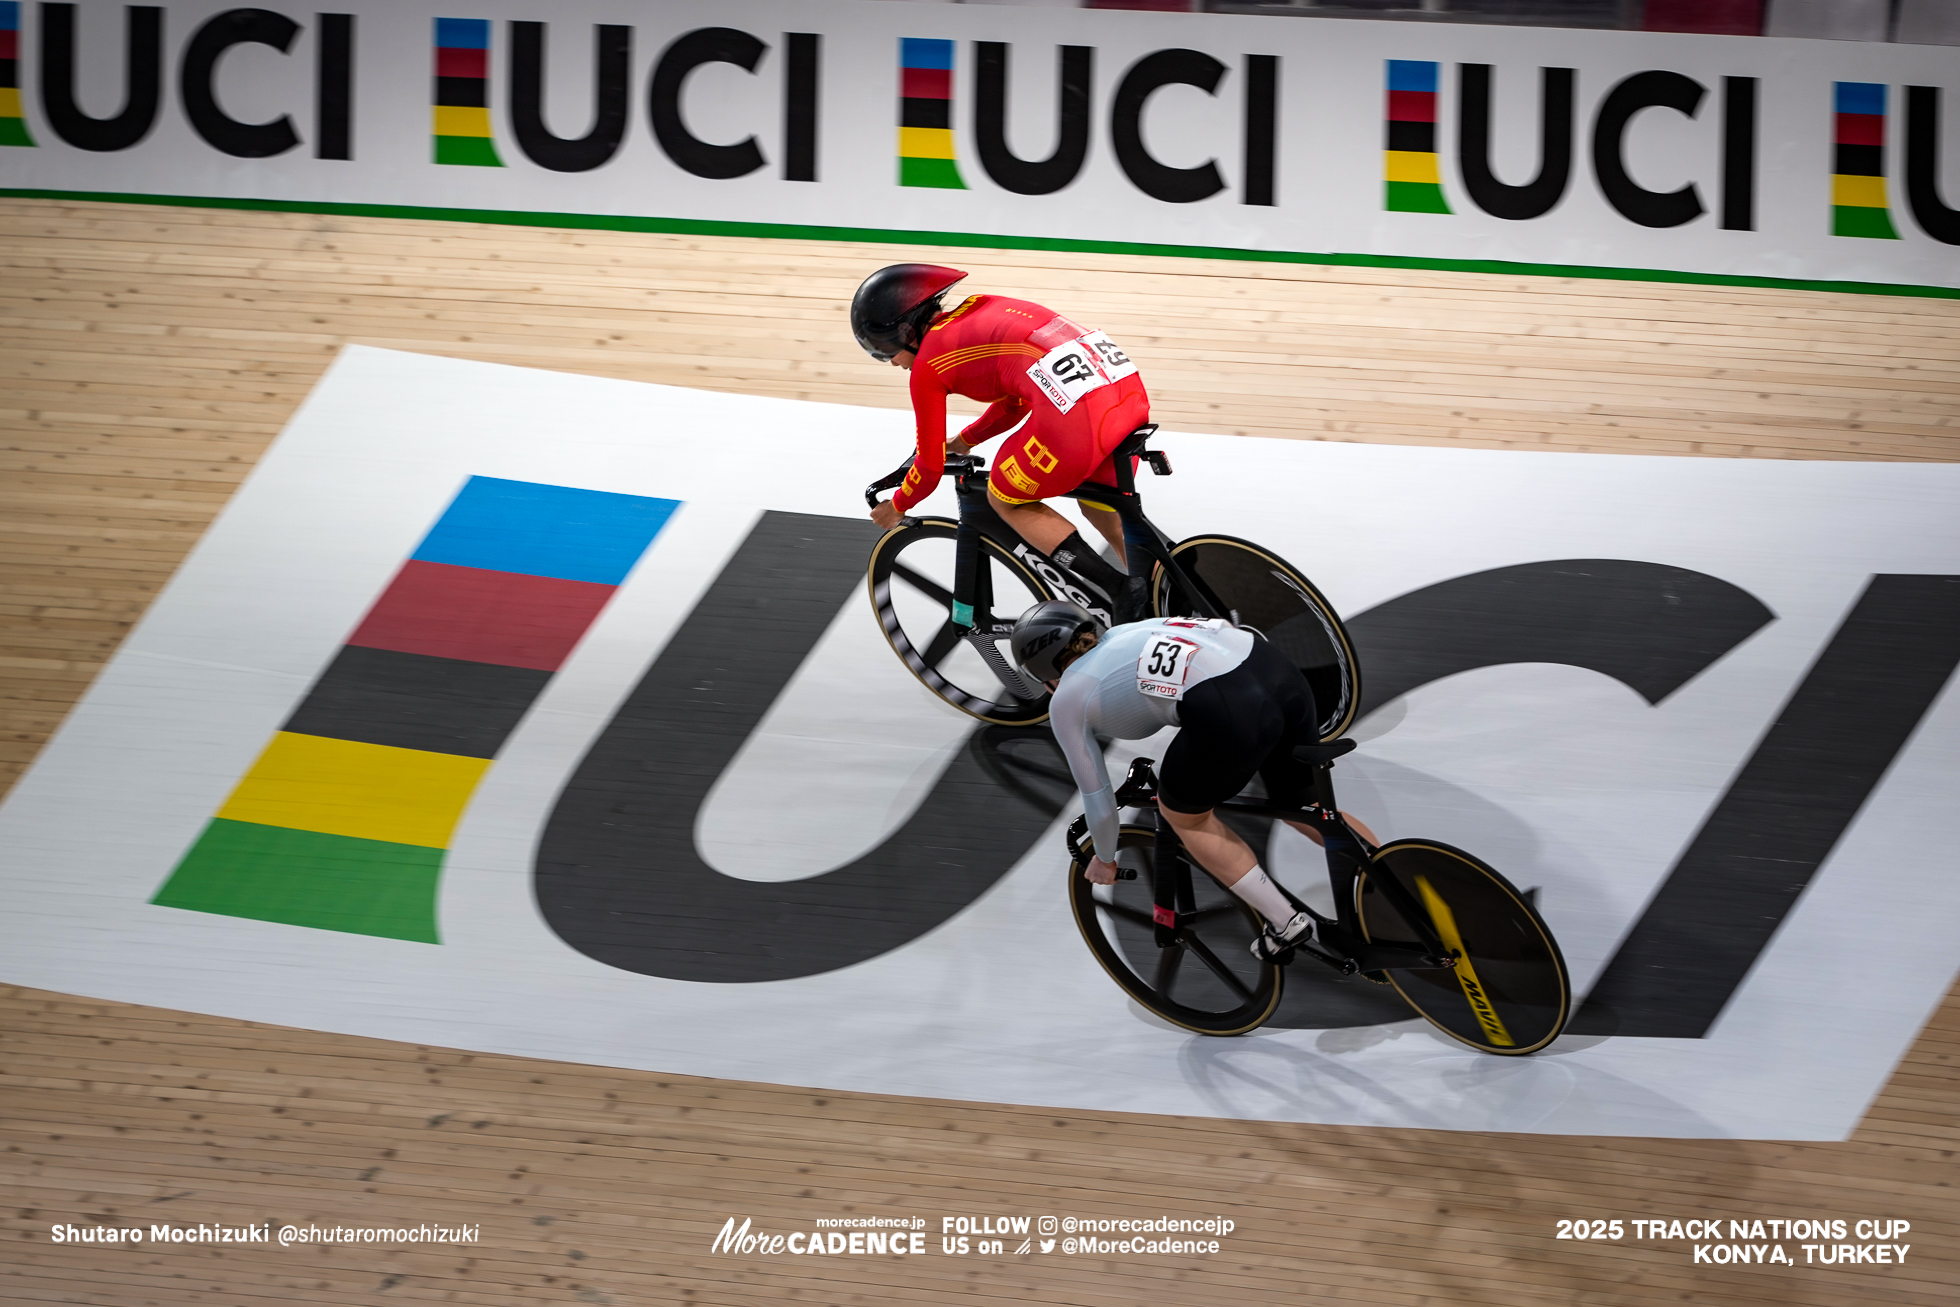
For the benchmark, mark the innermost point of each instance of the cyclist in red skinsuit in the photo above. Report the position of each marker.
(1073, 394)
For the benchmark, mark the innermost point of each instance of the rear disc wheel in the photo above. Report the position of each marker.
(1272, 597)
(1508, 993)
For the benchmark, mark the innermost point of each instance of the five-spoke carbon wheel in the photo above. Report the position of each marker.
(1206, 980)
(1508, 993)
(911, 579)
(1271, 596)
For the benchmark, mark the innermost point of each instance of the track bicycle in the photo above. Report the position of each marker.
(921, 569)
(1456, 940)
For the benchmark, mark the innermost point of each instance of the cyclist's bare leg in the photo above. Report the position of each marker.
(1354, 823)
(1214, 844)
(1035, 522)
(1109, 524)
(1222, 853)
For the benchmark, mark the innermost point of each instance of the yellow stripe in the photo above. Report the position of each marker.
(953, 358)
(1466, 975)
(1410, 166)
(368, 791)
(1858, 192)
(926, 143)
(9, 102)
(462, 120)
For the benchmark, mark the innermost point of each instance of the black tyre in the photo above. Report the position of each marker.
(911, 580)
(1271, 596)
(1508, 993)
(1207, 980)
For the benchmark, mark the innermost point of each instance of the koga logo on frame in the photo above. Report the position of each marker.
(742, 1240)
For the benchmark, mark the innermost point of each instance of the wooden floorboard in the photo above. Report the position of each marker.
(148, 356)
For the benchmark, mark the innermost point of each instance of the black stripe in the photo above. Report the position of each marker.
(1738, 154)
(414, 701)
(9, 73)
(334, 88)
(1417, 137)
(800, 79)
(462, 92)
(1783, 814)
(1860, 161)
(914, 112)
(1261, 126)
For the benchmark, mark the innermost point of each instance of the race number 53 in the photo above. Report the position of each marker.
(1164, 666)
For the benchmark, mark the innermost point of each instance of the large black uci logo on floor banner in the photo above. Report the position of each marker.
(620, 879)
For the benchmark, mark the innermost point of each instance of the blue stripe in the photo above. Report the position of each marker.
(918, 52)
(9, 15)
(463, 33)
(1861, 97)
(1411, 75)
(540, 530)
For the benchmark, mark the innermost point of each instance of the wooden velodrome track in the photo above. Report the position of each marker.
(150, 354)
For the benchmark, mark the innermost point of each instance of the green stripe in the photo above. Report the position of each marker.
(1857, 220)
(474, 151)
(791, 231)
(13, 131)
(1415, 197)
(943, 173)
(302, 878)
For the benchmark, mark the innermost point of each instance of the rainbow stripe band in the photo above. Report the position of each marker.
(343, 821)
(1413, 182)
(925, 115)
(13, 127)
(1858, 204)
(462, 93)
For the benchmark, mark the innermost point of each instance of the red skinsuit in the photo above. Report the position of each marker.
(983, 350)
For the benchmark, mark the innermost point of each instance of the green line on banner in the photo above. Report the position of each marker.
(304, 878)
(471, 151)
(942, 173)
(792, 231)
(1875, 224)
(1415, 197)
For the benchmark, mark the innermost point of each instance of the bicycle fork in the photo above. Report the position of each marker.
(973, 597)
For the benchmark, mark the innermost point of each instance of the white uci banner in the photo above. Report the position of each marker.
(1708, 157)
(666, 799)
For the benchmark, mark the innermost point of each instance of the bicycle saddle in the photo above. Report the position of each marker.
(1132, 444)
(1323, 753)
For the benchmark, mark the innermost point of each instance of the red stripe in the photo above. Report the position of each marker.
(1861, 129)
(9, 44)
(926, 83)
(462, 63)
(482, 616)
(1412, 106)
(1716, 17)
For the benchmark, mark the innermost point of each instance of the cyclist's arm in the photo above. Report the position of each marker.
(929, 414)
(1068, 716)
(1001, 415)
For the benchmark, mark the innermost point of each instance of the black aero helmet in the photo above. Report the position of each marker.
(1044, 637)
(890, 311)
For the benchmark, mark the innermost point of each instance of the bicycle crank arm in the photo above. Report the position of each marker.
(1016, 681)
(1381, 956)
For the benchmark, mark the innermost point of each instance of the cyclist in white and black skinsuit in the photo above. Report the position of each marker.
(1241, 707)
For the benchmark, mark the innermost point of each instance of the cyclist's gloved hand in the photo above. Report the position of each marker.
(1099, 872)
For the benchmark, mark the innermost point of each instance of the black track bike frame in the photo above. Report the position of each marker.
(977, 518)
(1339, 941)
